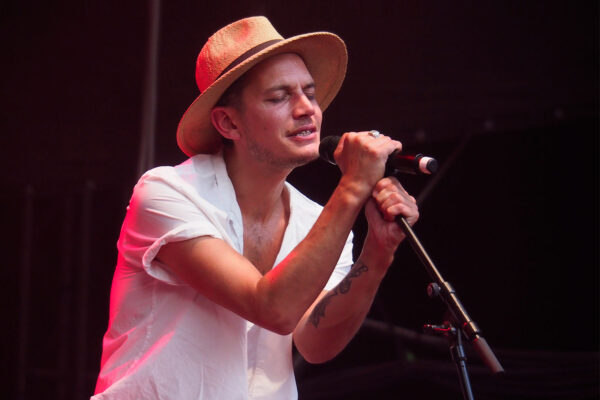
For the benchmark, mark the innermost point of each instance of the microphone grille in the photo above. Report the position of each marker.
(327, 147)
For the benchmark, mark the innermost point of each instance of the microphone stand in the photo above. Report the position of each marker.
(439, 287)
(461, 325)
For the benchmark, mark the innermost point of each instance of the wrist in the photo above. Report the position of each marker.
(376, 253)
(353, 192)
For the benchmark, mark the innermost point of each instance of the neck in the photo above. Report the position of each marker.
(259, 188)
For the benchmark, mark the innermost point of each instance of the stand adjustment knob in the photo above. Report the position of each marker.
(433, 290)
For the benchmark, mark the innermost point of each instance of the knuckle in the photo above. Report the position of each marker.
(384, 182)
(397, 197)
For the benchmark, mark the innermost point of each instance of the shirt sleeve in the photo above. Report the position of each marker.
(164, 209)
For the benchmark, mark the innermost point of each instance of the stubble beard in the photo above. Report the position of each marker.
(269, 157)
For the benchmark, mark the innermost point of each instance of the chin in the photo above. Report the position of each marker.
(307, 158)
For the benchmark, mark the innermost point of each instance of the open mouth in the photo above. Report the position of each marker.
(306, 132)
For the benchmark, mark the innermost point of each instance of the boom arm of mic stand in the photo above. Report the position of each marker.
(449, 297)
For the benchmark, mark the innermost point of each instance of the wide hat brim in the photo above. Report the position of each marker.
(325, 56)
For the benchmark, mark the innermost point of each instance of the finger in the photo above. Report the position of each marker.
(390, 197)
(380, 140)
(389, 185)
(394, 206)
(388, 181)
(411, 214)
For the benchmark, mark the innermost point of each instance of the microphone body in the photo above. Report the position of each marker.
(397, 163)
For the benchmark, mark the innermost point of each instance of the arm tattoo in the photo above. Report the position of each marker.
(342, 288)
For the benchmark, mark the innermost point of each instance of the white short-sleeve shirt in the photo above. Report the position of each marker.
(164, 339)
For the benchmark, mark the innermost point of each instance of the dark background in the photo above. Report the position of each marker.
(503, 93)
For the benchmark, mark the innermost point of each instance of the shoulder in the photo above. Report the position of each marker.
(168, 197)
(197, 173)
(163, 186)
(194, 169)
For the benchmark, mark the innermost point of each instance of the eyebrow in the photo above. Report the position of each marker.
(285, 87)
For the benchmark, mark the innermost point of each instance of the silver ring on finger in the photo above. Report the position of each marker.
(374, 134)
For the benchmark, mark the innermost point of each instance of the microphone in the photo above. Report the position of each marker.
(397, 163)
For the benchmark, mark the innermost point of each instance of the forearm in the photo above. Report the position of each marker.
(334, 320)
(290, 288)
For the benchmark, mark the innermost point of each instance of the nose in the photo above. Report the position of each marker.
(304, 107)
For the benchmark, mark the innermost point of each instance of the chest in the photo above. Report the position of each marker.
(262, 242)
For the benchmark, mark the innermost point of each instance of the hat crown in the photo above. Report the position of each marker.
(228, 44)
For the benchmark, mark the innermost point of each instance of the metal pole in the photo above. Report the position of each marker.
(83, 290)
(148, 129)
(66, 299)
(26, 251)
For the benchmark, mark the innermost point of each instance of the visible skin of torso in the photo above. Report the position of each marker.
(263, 237)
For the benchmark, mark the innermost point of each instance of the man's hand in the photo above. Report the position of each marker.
(362, 157)
(389, 199)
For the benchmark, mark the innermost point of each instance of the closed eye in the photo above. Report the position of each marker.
(278, 99)
(310, 91)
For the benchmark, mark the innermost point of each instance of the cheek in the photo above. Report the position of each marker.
(259, 121)
(271, 124)
(318, 116)
(274, 120)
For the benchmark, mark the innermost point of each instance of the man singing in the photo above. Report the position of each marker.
(222, 263)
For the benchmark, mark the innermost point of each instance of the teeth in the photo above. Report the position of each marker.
(304, 133)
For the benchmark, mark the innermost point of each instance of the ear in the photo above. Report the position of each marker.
(223, 120)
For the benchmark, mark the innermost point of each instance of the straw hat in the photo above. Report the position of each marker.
(235, 49)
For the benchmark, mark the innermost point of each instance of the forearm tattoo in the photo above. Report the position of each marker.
(342, 288)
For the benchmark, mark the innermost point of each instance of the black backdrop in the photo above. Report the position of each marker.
(504, 94)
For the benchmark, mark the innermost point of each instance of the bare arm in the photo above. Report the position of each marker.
(336, 316)
(279, 299)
